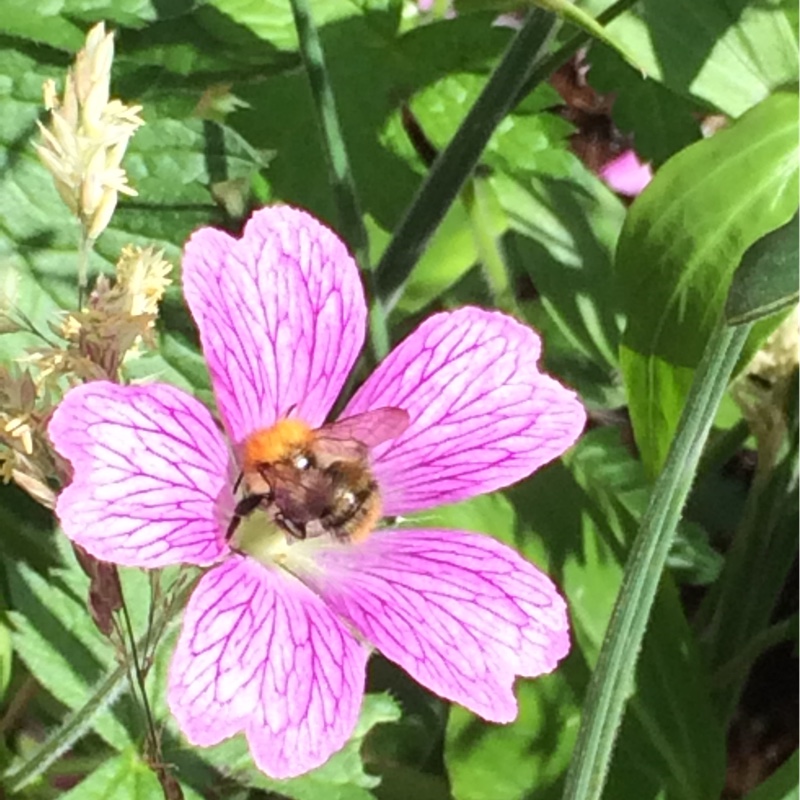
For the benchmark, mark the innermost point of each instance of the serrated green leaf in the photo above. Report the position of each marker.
(174, 165)
(766, 281)
(341, 778)
(578, 527)
(683, 238)
(124, 776)
(731, 56)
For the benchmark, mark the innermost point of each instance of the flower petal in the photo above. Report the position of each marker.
(462, 613)
(260, 653)
(281, 314)
(482, 415)
(152, 475)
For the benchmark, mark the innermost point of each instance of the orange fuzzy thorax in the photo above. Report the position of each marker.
(269, 445)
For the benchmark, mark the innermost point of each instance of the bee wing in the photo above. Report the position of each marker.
(368, 429)
(299, 496)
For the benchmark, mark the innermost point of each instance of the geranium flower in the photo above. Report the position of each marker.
(626, 174)
(275, 642)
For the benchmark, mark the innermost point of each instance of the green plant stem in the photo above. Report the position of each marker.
(476, 199)
(736, 670)
(455, 163)
(85, 245)
(612, 680)
(344, 187)
(759, 559)
(152, 734)
(78, 722)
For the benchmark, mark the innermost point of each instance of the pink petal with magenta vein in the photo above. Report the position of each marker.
(281, 314)
(152, 475)
(482, 415)
(462, 613)
(260, 653)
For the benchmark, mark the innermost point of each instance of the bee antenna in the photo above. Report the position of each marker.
(238, 482)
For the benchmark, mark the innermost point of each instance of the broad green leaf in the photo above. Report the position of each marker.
(731, 56)
(341, 778)
(578, 528)
(683, 238)
(781, 785)
(766, 281)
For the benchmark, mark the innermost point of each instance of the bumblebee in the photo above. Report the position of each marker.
(316, 482)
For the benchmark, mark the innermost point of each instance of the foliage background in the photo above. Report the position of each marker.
(626, 296)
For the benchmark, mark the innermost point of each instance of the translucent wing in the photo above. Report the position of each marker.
(353, 436)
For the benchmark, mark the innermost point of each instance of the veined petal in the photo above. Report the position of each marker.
(281, 314)
(260, 653)
(462, 613)
(152, 475)
(482, 415)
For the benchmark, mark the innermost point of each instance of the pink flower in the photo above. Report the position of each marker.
(275, 643)
(626, 174)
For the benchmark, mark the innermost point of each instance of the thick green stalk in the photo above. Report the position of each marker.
(612, 680)
(351, 220)
(456, 162)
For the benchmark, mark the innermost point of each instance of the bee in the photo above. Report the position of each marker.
(315, 482)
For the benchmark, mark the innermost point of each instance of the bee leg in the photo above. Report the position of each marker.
(246, 506)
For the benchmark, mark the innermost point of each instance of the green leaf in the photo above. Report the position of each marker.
(682, 240)
(570, 227)
(272, 21)
(63, 23)
(172, 163)
(781, 785)
(661, 121)
(578, 527)
(341, 778)
(766, 281)
(731, 56)
(124, 776)
(54, 635)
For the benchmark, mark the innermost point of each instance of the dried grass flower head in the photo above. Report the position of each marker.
(276, 638)
(87, 135)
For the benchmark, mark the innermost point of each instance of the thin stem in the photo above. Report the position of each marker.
(77, 723)
(612, 680)
(344, 188)
(476, 198)
(152, 735)
(736, 669)
(455, 163)
(85, 245)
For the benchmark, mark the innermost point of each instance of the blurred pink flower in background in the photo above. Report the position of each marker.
(276, 646)
(626, 174)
